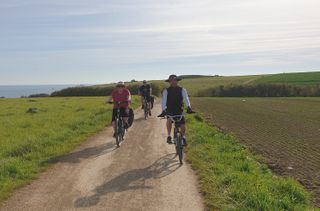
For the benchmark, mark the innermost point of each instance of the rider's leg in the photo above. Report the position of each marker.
(169, 127)
(125, 116)
(149, 101)
(152, 101)
(114, 126)
(183, 129)
(183, 133)
(113, 122)
(141, 98)
(149, 105)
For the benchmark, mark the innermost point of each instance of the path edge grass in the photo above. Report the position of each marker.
(230, 176)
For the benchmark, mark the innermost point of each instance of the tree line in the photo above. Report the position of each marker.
(100, 91)
(261, 90)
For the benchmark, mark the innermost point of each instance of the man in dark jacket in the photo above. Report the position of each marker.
(145, 91)
(173, 98)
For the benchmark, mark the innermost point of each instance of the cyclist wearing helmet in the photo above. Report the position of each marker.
(145, 91)
(172, 104)
(120, 94)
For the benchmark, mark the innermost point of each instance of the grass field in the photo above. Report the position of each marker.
(34, 131)
(285, 131)
(231, 179)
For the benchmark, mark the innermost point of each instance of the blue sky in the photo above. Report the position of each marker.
(100, 41)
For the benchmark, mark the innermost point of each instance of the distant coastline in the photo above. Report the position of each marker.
(17, 91)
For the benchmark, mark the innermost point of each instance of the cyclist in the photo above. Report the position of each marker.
(145, 91)
(172, 104)
(120, 94)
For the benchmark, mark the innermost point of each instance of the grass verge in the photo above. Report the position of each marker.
(231, 178)
(35, 131)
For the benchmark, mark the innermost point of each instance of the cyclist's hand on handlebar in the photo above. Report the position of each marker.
(163, 114)
(190, 111)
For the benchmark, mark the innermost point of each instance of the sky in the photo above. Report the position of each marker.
(101, 41)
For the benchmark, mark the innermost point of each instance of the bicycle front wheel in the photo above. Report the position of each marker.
(145, 111)
(179, 148)
(117, 133)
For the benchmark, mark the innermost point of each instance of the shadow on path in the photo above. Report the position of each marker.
(133, 179)
(90, 152)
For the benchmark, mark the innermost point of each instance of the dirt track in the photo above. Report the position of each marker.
(143, 174)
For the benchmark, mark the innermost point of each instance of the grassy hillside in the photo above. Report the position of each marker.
(206, 85)
(196, 84)
(34, 131)
(307, 78)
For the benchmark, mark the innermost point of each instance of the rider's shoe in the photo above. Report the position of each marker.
(169, 140)
(184, 141)
(142, 107)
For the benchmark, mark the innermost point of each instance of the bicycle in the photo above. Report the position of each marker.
(176, 119)
(119, 125)
(146, 107)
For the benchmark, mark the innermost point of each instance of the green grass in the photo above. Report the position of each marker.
(231, 179)
(307, 78)
(34, 131)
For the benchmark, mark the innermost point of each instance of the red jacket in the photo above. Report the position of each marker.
(121, 95)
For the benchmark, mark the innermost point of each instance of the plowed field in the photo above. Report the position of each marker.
(284, 131)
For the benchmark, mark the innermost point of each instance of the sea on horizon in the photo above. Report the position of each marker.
(17, 91)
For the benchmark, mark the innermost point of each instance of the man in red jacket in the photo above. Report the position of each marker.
(120, 94)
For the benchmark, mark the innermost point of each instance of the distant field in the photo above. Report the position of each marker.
(308, 78)
(285, 131)
(34, 131)
(193, 85)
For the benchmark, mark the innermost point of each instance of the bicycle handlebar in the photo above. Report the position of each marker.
(174, 116)
(119, 102)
